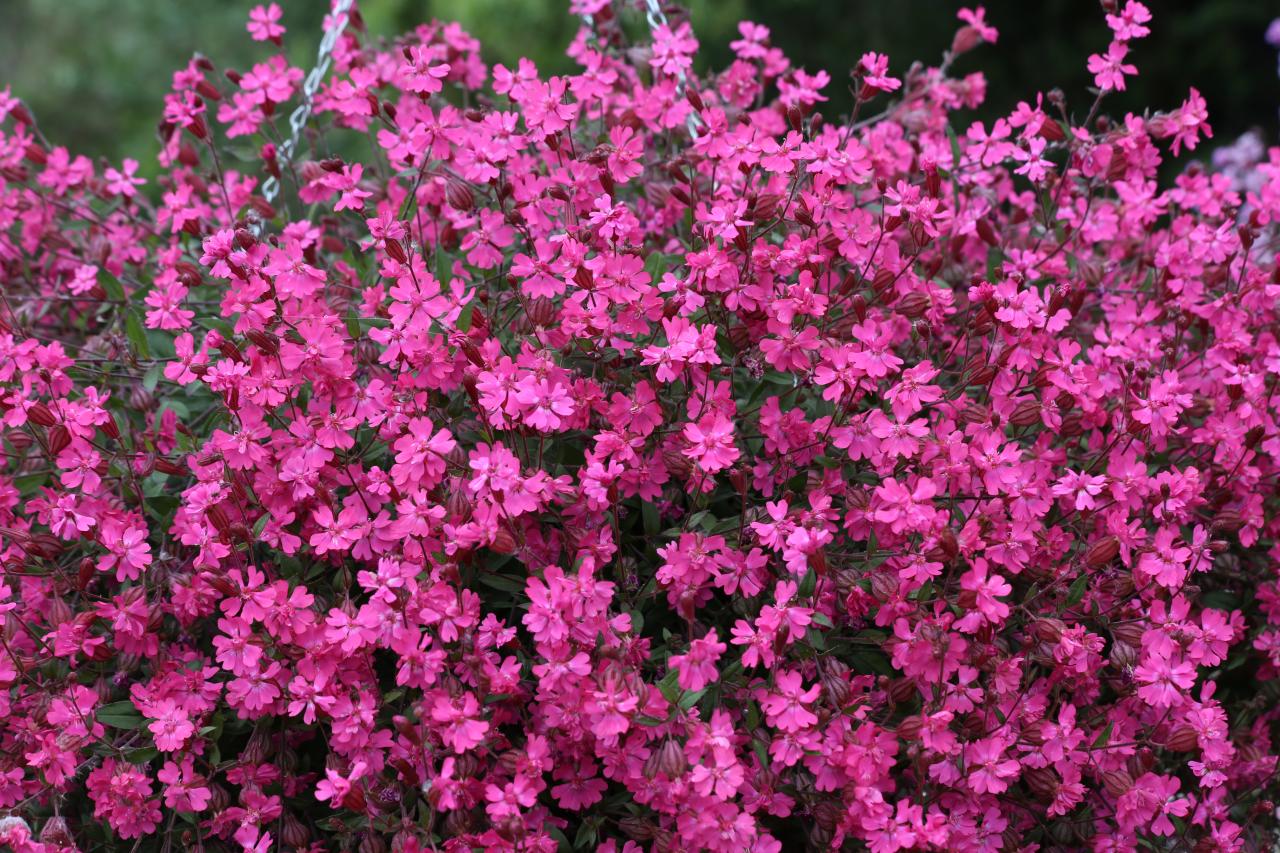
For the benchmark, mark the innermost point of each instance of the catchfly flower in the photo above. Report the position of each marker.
(642, 456)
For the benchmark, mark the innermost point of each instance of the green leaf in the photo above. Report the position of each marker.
(957, 155)
(657, 264)
(120, 715)
(113, 287)
(501, 582)
(141, 755)
(652, 521)
(995, 258)
(28, 483)
(808, 584)
(464, 319)
(670, 690)
(688, 700)
(561, 839)
(137, 334)
(761, 752)
(1104, 738)
(1220, 599)
(152, 377)
(1076, 592)
(702, 518)
(586, 837)
(869, 663)
(221, 326)
(162, 506)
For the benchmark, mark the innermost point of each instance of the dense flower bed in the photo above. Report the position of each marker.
(539, 474)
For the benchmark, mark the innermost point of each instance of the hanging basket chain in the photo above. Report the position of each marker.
(657, 18)
(302, 113)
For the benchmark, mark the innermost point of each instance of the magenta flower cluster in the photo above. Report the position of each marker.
(639, 459)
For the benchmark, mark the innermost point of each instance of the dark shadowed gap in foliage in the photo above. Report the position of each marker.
(1217, 47)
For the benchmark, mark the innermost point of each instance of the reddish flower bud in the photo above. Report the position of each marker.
(1123, 655)
(59, 438)
(1228, 520)
(1183, 739)
(1026, 413)
(396, 251)
(459, 196)
(1117, 782)
(668, 760)
(1043, 781)
(294, 832)
(795, 118)
(354, 799)
(57, 833)
(909, 729)
(39, 414)
(965, 40)
(902, 690)
(503, 541)
(913, 305)
(1102, 552)
(1048, 630)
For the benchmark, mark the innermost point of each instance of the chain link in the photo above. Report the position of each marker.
(302, 113)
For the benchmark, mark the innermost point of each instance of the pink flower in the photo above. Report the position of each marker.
(784, 707)
(457, 723)
(170, 726)
(697, 668)
(264, 23)
(989, 771)
(1109, 69)
(711, 442)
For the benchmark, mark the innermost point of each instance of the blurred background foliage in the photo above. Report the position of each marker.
(95, 71)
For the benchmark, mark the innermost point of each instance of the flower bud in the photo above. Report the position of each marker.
(1043, 781)
(835, 684)
(965, 40)
(372, 843)
(1026, 413)
(884, 586)
(636, 827)
(59, 438)
(902, 690)
(258, 748)
(795, 118)
(1183, 739)
(39, 414)
(909, 729)
(668, 760)
(1117, 782)
(354, 799)
(294, 832)
(1102, 552)
(459, 196)
(1123, 655)
(882, 282)
(503, 541)
(1048, 630)
(913, 305)
(395, 250)
(1228, 520)
(1128, 632)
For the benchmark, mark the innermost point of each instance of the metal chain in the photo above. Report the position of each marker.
(302, 113)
